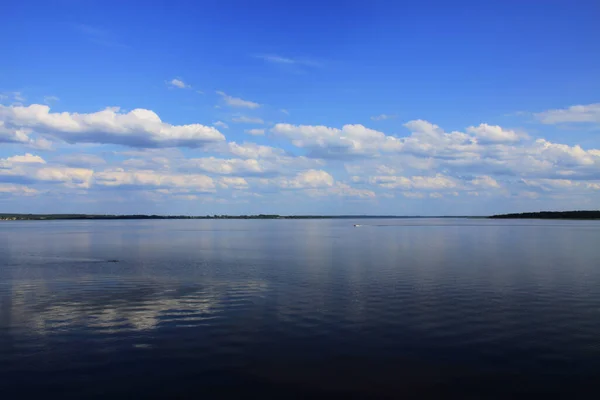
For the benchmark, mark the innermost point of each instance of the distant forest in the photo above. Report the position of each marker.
(552, 215)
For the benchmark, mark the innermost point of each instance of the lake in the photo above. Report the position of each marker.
(395, 308)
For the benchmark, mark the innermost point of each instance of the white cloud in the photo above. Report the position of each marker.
(253, 150)
(226, 166)
(578, 113)
(344, 190)
(178, 83)
(332, 142)
(71, 177)
(237, 102)
(26, 159)
(255, 132)
(308, 179)
(221, 124)
(484, 149)
(148, 178)
(383, 117)
(561, 185)
(29, 167)
(493, 134)
(137, 128)
(286, 112)
(17, 190)
(233, 183)
(8, 135)
(436, 182)
(247, 120)
(352, 161)
(40, 143)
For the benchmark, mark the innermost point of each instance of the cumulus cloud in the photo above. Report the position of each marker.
(324, 141)
(32, 168)
(351, 161)
(273, 160)
(237, 102)
(137, 128)
(247, 120)
(493, 134)
(255, 132)
(483, 149)
(578, 113)
(25, 159)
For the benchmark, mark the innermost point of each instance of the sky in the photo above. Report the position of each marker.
(299, 107)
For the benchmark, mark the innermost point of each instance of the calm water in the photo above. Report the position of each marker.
(395, 308)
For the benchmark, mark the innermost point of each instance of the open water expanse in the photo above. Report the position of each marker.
(395, 308)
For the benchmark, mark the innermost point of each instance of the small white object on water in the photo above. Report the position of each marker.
(356, 225)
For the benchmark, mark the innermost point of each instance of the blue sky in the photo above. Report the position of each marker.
(378, 107)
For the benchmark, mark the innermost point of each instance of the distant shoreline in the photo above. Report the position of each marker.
(51, 217)
(573, 215)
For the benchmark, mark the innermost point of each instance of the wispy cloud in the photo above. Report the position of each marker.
(286, 112)
(100, 36)
(221, 124)
(50, 99)
(178, 83)
(17, 97)
(236, 101)
(277, 59)
(255, 132)
(383, 117)
(578, 113)
(247, 120)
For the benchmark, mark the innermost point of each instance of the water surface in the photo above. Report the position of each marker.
(415, 308)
